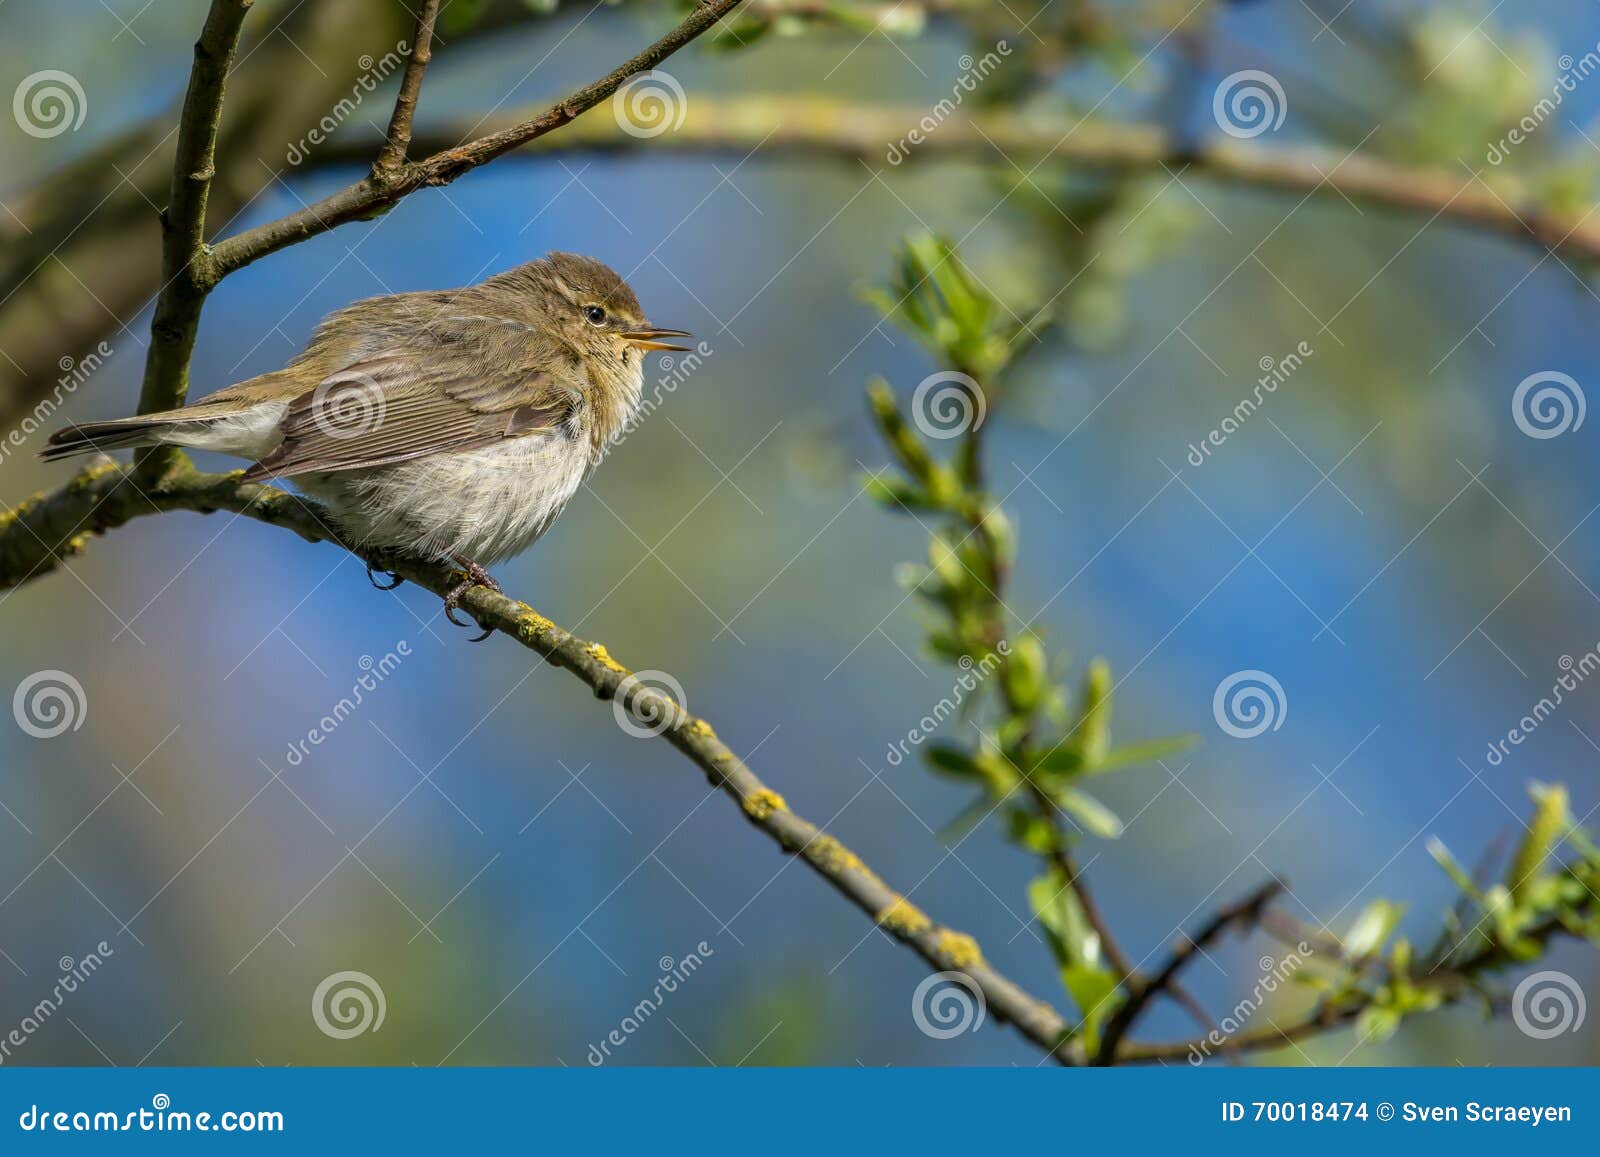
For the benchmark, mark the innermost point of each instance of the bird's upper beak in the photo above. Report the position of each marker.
(648, 338)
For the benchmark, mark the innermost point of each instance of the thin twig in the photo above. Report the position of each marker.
(365, 198)
(398, 139)
(185, 264)
(1245, 912)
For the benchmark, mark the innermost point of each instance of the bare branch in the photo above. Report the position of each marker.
(398, 138)
(186, 271)
(817, 126)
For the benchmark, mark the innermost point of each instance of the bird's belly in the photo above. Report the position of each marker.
(486, 504)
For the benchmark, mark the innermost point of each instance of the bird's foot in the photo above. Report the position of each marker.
(473, 576)
(373, 571)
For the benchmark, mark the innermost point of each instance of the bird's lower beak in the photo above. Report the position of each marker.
(649, 339)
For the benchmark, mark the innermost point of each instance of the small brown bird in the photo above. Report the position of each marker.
(449, 425)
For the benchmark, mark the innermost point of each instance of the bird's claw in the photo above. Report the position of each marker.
(395, 579)
(473, 575)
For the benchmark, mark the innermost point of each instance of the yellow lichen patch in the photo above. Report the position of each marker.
(598, 652)
(94, 473)
(959, 949)
(761, 804)
(700, 729)
(832, 856)
(532, 622)
(904, 917)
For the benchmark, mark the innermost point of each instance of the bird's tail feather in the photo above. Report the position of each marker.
(192, 425)
(118, 434)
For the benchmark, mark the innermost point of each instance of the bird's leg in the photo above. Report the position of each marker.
(475, 576)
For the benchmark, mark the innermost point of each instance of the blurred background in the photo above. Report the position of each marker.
(514, 870)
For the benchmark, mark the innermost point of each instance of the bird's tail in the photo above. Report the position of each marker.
(117, 434)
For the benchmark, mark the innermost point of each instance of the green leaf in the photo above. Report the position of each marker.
(1460, 875)
(898, 492)
(1551, 821)
(1056, 903)
(1377, 1023)
(951, 760)
(1032, 832)
(1026, 673)
(1137, 753)
(1090, 812)
(1095, 992)
(1372, 928)
(1094, 714)
(968, 818)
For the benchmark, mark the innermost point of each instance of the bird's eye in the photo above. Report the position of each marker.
(595, 314)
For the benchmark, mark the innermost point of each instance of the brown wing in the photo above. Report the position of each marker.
(408, 403)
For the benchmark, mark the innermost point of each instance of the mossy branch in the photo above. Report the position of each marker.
(40, 535)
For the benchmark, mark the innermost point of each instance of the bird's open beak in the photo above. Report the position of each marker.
(649, 339)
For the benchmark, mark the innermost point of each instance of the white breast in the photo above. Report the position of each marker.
(485, 505)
